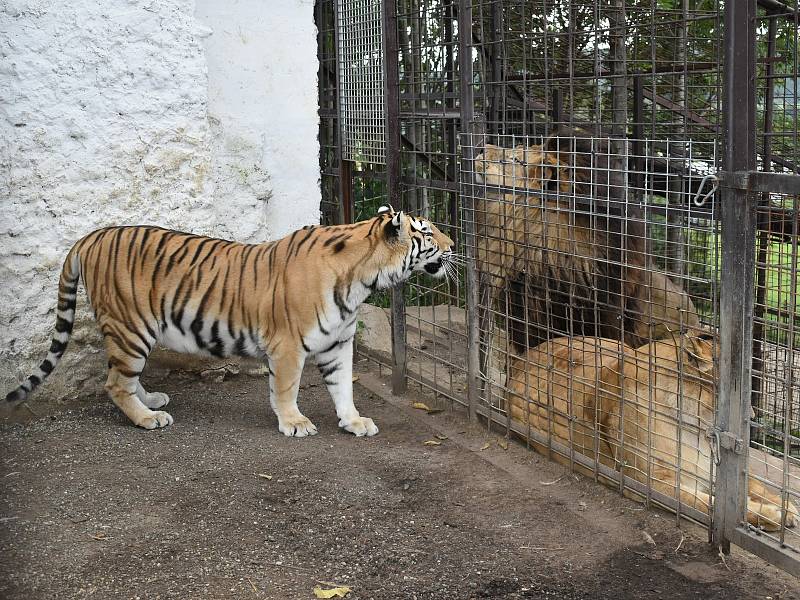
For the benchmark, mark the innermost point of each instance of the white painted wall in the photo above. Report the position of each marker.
(197, 116)
(262, 82)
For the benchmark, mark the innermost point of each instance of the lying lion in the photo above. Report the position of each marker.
(566, 267)
(572, 389)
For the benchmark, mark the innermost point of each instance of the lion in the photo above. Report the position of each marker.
(571, 262)
(643, 412)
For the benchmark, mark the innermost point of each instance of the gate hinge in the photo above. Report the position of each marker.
(723, 439)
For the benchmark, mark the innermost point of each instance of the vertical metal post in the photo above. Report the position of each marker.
(346, 204)
(619, 82)
(638, 146)
(738, 257)
(466, 94)
(345, 167)
(392, 97)
(763, 224)
(556, 108)
(497, 68)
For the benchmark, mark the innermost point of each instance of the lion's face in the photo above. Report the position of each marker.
(685, 368)
(703, 353)
(528, 168)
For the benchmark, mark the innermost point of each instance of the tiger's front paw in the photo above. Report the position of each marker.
(297, 427)
(360, 426)
(155, 420)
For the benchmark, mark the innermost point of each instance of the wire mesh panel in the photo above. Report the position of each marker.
(592, 348)
(361, 80)
(774, 460)
(578, 153)
(596, 236)
(774, 454)
(352, 188)
(429, 124)
(593, 199)
(616, 65)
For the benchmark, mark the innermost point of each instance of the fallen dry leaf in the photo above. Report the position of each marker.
(355, 378)
(439, 436)
(421, 406)
(337, 592)
(503, 444)
(486, 445)
(218, 374)
(257, 371)
(648, 538)
(432, 443)
(265, 476)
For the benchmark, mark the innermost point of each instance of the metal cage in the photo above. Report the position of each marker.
(622, 178)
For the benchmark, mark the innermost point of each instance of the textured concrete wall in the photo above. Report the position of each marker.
(262, 107)
(164, 112)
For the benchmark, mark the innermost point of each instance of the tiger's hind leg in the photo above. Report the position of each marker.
(151, 400)
(124, 367)
(284, 383)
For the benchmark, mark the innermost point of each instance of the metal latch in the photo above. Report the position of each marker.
(701, 197)
(723, 439)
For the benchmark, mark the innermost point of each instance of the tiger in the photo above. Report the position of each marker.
(281, 301)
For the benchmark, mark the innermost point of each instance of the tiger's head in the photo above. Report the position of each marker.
(427, 249)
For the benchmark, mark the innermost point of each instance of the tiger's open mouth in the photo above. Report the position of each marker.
(446, 266)
(435, 268)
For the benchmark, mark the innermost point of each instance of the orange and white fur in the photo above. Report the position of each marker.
(282, 301)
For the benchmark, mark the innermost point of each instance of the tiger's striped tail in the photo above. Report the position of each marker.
(67, 294)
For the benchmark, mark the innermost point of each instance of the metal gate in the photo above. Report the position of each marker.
(622, 177)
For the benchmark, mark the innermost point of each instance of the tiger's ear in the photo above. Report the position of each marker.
(394, 228)
(383, 210)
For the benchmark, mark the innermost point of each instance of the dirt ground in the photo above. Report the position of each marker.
(221, 505)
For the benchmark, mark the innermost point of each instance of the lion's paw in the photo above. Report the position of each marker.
(767, 515)
(792, 515)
